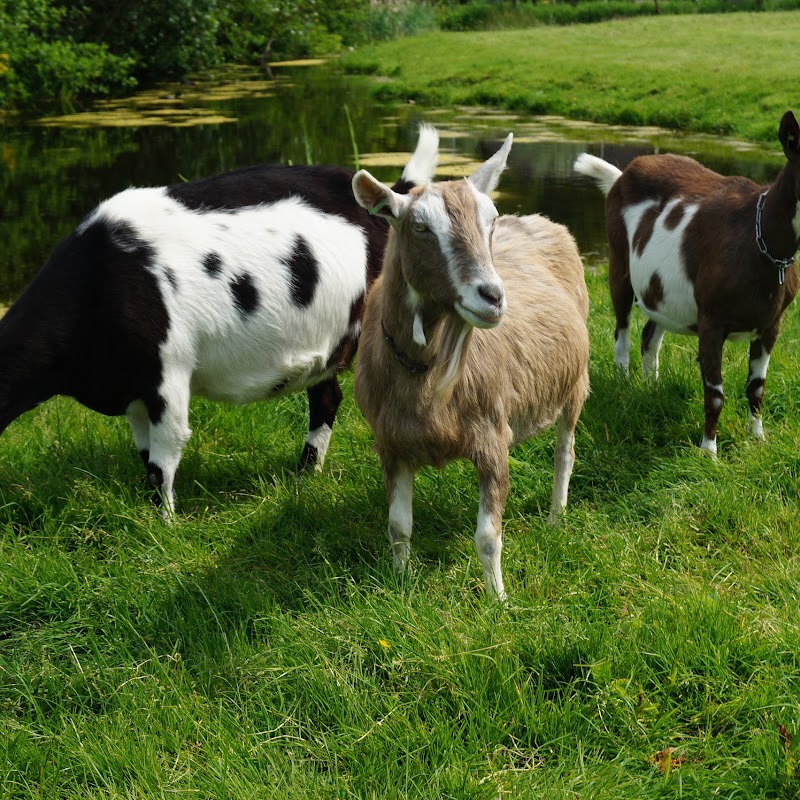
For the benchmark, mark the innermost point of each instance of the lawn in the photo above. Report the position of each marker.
(723, 73)
(262, 646)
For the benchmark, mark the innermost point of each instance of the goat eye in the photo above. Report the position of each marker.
(419, 227)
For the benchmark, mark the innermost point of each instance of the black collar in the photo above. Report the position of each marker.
(417, 367)
(781, 264)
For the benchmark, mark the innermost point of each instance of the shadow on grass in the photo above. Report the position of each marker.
(629, 428)
(64, 458)
(323, 539)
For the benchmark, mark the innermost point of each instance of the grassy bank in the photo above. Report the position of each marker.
(262, 647)
(722, 73)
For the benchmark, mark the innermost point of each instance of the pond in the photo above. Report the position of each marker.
(53, 171)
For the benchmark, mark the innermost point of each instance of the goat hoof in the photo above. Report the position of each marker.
(710, 448)
(308, 458)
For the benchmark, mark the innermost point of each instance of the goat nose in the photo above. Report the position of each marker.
(492, 293)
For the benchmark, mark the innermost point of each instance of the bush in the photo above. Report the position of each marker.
(38, 70)
(163, 39)
(393, 20)
(469, 17)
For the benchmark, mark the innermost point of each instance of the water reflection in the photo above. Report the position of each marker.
(50, 177)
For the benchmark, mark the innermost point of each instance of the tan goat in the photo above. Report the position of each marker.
(431, 387)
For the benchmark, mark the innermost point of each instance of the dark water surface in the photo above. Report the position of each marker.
(52, 175)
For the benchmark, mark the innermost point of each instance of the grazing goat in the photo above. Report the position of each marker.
(705, 255)
(431, 387)
(240, 287)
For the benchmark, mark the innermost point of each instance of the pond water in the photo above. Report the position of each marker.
(54, 171)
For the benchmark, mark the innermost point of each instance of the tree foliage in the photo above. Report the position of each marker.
(163, 39)
(38, 61)
(58, 51)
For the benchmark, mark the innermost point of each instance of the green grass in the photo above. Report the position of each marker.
(718, 73)
(263, 648)
(480, 15)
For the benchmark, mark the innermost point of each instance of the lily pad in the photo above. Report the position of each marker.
(176, 105)
(300, 62)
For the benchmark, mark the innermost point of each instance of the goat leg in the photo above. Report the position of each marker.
(493, 481)
(323, 402)
(760, 350)
(139, 420)
(399, 479)
(619, 283)
(710, 358)
(168, 436)
(564, 460)
(652, 336)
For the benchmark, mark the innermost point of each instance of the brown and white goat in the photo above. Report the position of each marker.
(432, 388)
(704, 255)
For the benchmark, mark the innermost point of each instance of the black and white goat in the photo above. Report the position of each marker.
(240, 287)
(705, 255)
(435, 389)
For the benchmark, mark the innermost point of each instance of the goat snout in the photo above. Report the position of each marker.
(483, 304)
(492, 293)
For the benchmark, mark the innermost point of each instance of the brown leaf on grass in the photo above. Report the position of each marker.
(665, 759)
(786, 737)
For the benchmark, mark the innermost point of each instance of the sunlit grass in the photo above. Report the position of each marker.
(263, 647)
(720, 73)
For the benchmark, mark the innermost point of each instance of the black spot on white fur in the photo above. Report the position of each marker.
(245, 294)
(124, 236)
(212, 264)
(170, 276)
(304, 272)
(155, 405)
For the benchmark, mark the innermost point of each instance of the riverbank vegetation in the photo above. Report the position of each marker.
(56, 55)
(696, 73)
(262, 647)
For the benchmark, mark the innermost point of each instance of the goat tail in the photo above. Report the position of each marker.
(601, 172)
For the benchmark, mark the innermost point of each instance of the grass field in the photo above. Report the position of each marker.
(263, 648)
(722, 73)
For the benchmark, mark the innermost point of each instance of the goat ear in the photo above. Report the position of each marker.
(487, 176)
(376, 197)
(789, 136)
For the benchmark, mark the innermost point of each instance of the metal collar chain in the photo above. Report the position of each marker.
(782, 264)
(417, 367)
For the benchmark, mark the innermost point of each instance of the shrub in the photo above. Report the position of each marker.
(39, 69)
(162, 38)
(395, 19)
(469, 17)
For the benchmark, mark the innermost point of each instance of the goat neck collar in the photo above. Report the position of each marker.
(782, 264)
(413, 366)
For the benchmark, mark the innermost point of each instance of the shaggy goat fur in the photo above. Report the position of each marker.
(474, 393)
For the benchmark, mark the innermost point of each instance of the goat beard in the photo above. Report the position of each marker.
(451, 356)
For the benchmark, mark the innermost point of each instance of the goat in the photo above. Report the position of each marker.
(431, 387)
(240, 287)
(704, 255)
